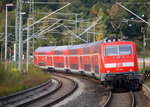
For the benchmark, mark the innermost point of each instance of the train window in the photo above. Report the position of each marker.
(118, 50)
(125, 50)
(111, 50)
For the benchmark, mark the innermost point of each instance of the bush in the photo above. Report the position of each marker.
(146, 69)
(12, 80)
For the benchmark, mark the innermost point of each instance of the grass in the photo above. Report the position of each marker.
(12, 81)
(146, 69)
(142, 72)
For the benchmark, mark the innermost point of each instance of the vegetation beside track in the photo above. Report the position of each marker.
(12, 80)
(147, 82)
(142, 70)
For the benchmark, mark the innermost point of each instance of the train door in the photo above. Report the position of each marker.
(95, 63)
(81, 63)
(87, 63)
(49, 61)
(92, 63)
(66, 61)
(52, 61)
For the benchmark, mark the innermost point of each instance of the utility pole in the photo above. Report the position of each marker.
(31, 15)
(6, 34)
(17, 29)
(28, 44)
(144, 30)
(20, 43)
(144, 45)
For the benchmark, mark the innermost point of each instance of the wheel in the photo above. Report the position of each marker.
(49, 69)
(82, 73)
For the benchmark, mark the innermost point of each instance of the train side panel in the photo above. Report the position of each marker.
(58, 61)
(74, 62)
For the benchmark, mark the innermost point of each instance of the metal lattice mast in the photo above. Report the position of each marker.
(31, 15)
(30, 32)
(17, 29)
(20, 43)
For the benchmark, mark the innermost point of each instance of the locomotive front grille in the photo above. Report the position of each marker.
(115, 77)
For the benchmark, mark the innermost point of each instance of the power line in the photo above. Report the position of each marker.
(132, 13)
(45, 2)
(135, 2)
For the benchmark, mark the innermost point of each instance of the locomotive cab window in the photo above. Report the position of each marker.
(118, 50)
(125, 50)
(111, 50)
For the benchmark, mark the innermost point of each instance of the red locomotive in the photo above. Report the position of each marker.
(112, 60)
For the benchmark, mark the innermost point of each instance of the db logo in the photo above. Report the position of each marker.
(119, 64)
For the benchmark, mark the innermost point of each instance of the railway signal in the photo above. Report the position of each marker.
(144, 25)
(143, 30)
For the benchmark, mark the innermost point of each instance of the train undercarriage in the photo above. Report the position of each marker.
(121, 81)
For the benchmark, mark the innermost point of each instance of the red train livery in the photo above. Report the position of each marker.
(111, 60)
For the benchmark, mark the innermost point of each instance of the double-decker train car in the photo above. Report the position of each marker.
(113, 61)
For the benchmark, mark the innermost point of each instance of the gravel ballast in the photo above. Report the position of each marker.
(88, 94)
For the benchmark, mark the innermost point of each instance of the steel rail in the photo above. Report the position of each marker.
(108, 101)
(75, 85)
(66, 95)
(23, 94)
(78, 76)
(110, 98)
(133, 99)
(41, 97)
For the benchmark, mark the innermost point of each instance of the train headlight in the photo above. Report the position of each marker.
(130, 70)
(108, 71)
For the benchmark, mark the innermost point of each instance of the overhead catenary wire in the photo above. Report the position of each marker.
(48, 15)
(48, 30)
(132, 13)
(74, 34)
(41, 31)
(38, 35)
(4, 37)
(45, 2)
(90, 26)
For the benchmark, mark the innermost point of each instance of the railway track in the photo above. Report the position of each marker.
(60, 88)
(123, 99)
(11, 99)
(90, 78)
(66, 87)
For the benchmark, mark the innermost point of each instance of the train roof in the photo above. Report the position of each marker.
(62, 47)
(77, 46)
(45, 49)
(49, 48)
